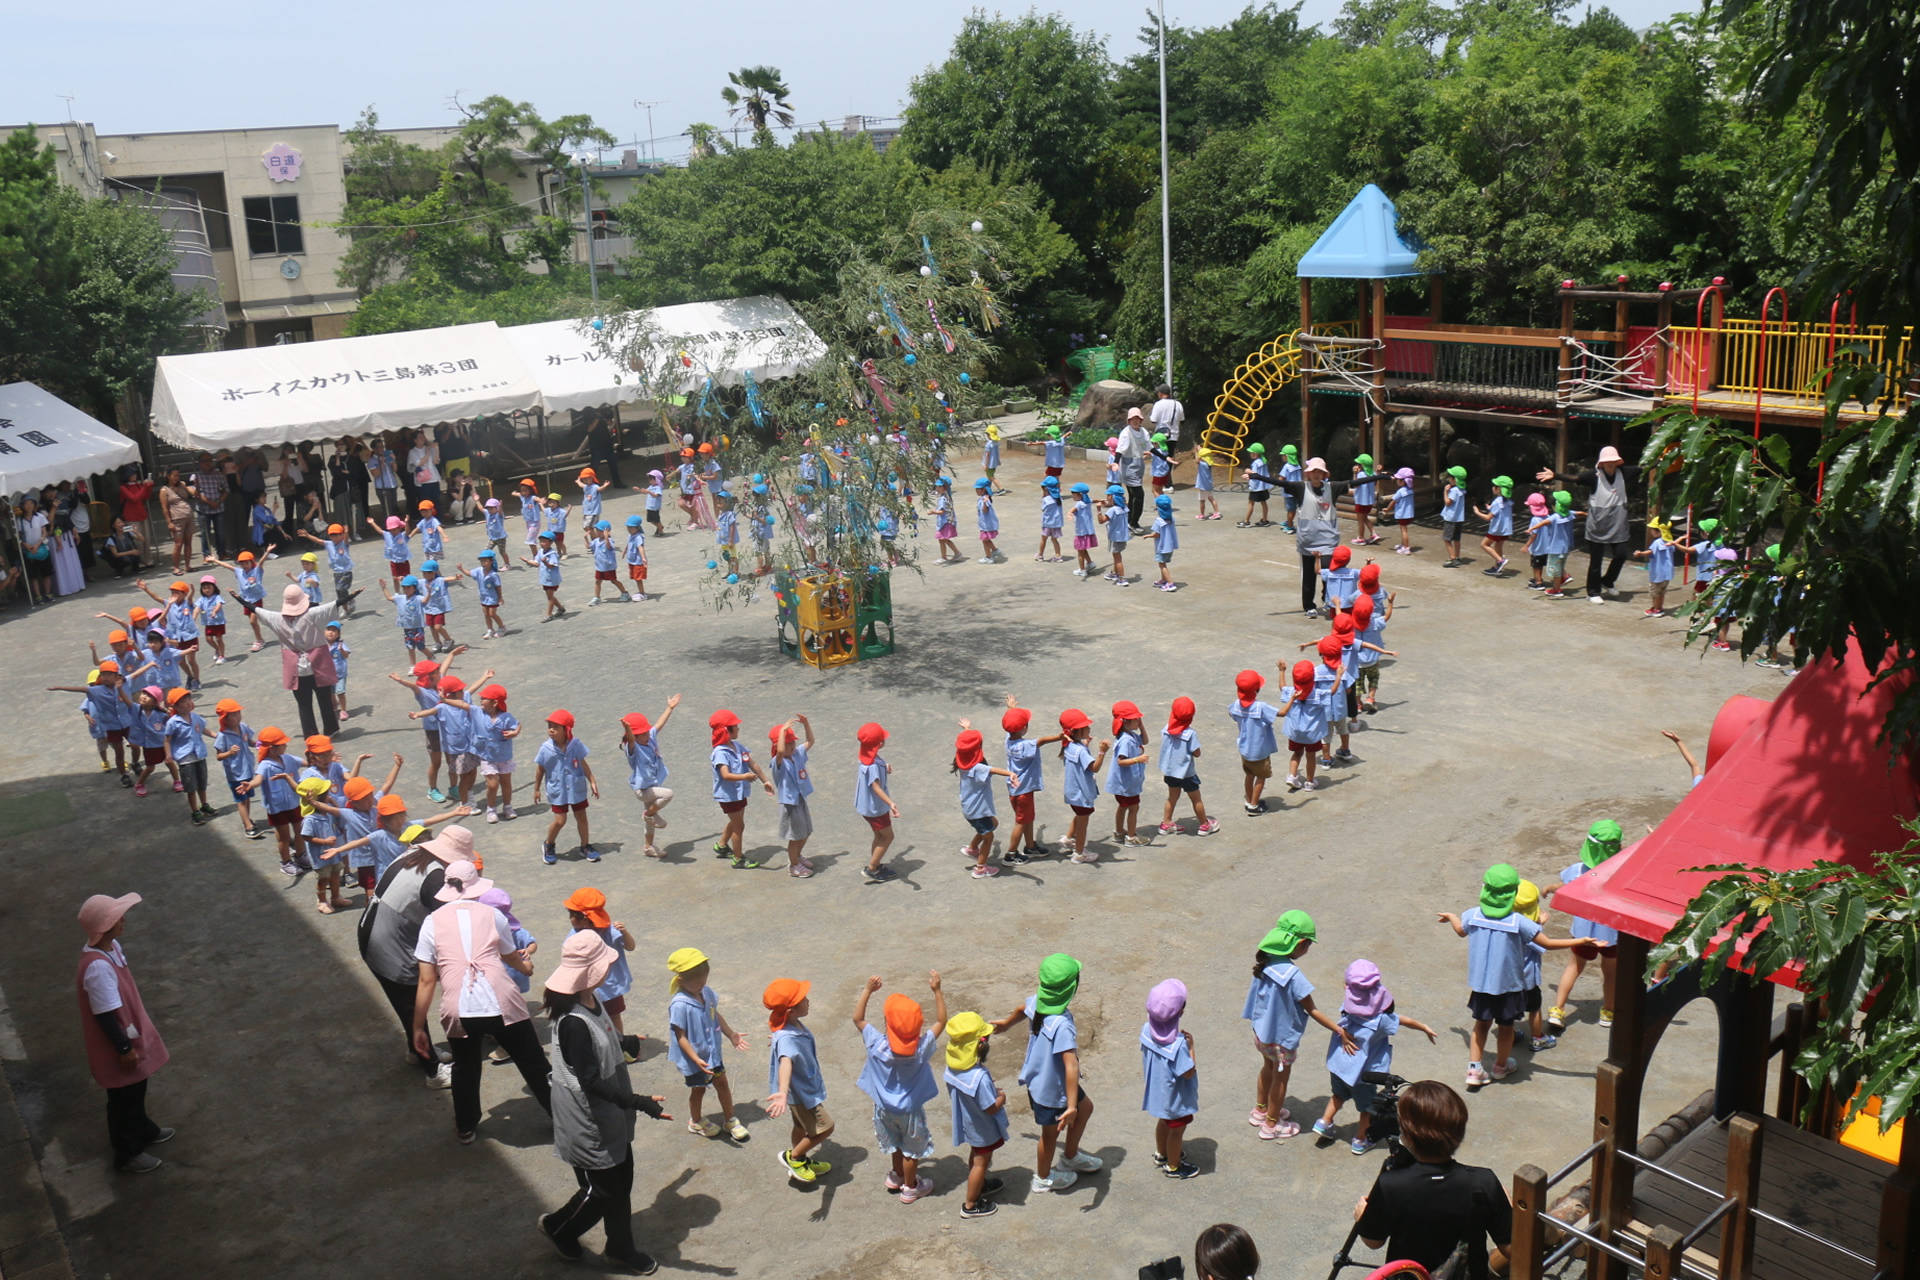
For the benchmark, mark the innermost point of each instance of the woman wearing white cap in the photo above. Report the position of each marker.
(593, 1106)
(464, 950)
(1316, 522)
(306, 664)
(1607, 532)
(123, 1047)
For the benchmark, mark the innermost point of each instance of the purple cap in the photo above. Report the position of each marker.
(1365, 996)
(1165, 1003)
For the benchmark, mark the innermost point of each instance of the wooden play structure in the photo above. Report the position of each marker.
(830, 621)
(1757, 1192)
(1767, 371)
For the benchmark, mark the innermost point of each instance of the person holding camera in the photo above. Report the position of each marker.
(1422, 1210)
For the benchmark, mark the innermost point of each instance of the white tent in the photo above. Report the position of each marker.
(349, 386)
(44, 440)
(760, 335)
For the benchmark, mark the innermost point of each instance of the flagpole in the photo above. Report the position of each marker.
(1166, 229)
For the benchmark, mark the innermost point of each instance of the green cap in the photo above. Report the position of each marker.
(1709, 525)
(1059, 979)
(1289, 451)
(1288, 932)
(1773, 553)
(1258, 449)
(1602, 842)
(1498, 890)
(1053, 431)
(1563, 500)
(1503, 483)
(1458, 473)
(1364, 460)
(1159, 437)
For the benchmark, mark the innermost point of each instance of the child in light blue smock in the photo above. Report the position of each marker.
(987, 518)
(1453, 515)
(1127, 774)
(976, 797)
(1279, 1005)
(899, 1078)
(979, 1106)
(1403, 508)
(1659, 558)
(1368, 1017)
(547, 562)
(1166, 541)
(1179, 769)
(696, 1034)
(1079, 768)
(1253, 736)
(1499, 518)
(1172, 1079)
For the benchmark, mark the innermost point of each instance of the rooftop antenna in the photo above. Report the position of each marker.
(68, 98)
(649, 106)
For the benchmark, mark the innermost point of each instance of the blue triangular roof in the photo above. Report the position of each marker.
(1363, 243)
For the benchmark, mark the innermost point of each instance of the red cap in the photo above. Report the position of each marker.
(1016, 720)
(424, 668)
(779, 734)
(1343, 625)
(1073, 719)
(495, 693)
(1362, 612)
(1302, 678)
(453, 684)
(1369, 576)
(1330, 648)
(1249, 683)
(719, 722)
(1181, 716)
(562, 718)
(1341, 556)
(636, 722)
(1124, 711)
(967, 749)
(871, 738)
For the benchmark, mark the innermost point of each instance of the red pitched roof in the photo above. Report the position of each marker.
(1802, 780)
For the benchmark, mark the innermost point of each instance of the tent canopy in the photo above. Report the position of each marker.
(348, 386)
(1363, 243)
(44, 440)
(1805, 780)
(760, 335)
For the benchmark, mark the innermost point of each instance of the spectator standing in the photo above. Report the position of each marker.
(1167, 415)
(123, 1047)
(210, 502)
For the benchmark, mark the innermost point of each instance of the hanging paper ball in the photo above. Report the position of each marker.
(712, 565)
(926, 271)
(732, 578)
(926, 337)
(598, 323)
(966, 378)
(873, 439)
(820, 405)
(687, 439)
(911, 358)
(873, 315)
(979, 225)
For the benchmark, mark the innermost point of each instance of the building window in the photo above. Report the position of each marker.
(273, 224)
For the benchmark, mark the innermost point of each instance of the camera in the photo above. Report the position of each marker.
(1165, 1269)
(1385, 1113)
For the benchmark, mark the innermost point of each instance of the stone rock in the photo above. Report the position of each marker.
(1107, 401)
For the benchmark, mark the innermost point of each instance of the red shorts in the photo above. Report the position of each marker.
(605, 575)
(1127, 802)
(732, 806)
(1304, 746)
(436, 619)
(1181, 1123)
(1052, 471)
(882, 823)
(1594, 953)
(1081, 810)
(154, 755)
(1023, 807)
(615, 1004)
(185, 646)
(216, 629)
(1403, 523)
(1361, 509)
(285, 818)
(250, 607)
(981, 1151)
(1161, 482)
(116, 736)
(574, 808)
(638, 572)
(400, 568)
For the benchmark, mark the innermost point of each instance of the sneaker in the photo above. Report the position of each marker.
(880, 874)
(1654, 613)
(801, 872)
(436, 795)
(1208, 827)
(1501, 1070)
(142, 1163)
(1285, 1129)
(1110, 576)
(208, 811)
(1606, 1017)
(1185, 1169)
(1596, 600)
(894, 1183)
(1138, 842)
(1360, 1146)
(1476, 1075)
(1499, 565)
(442, 1078)
(1257, 1117)
(1771, 664)
(1310, 784)
(1536, 586)
(1079, 573)
(593, 854)
(1557, 1019)
(704, 1128)
(1118, 837)
(1323, 1129)
(1293, 782)
(1084, 857)
(593, 602)
(1720, 645)
(1343, 754)
(1058, 1180)
(984, 872)
(569, 1250)
(288, 869)
(1539, 1043)
(140, 788)
(548, 854)
(986, 559)
(635, 1263)
(1255, 809)
(196, 819)
(980, 1208)
(254, 832)
(1170, 829)
(1554, 593)
(507, 814)
(744, 864)
(798, 1170)
(492, 816)
(918, 1191)
(105, 767)
(1159, 1160)
(1015, 858)
(1123, 582)
(1081, 1162)
(179, 787)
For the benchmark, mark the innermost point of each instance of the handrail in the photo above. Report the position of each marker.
(1760, 369)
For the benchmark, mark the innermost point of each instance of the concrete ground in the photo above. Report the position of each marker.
(306, 1149)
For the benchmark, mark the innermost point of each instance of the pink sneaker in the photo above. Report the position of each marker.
(1208, 827)
(179, 786)
(918, 1191)
(894, 1181)
(1171, 829)
(982, 873)
(1501, 1070)
(140, 789)
(1285, 1129)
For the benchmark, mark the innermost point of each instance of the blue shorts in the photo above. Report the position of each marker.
(415, 637)
(1047, 1117)
(983, 825)
(1163, 557)
(904, 1132)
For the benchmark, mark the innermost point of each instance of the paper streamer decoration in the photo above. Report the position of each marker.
(753, 399)
(879, 386)
(989, 309)
(946, 339)
(927, 246)
(893, 318)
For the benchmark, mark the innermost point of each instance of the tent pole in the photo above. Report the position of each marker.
(20, 555)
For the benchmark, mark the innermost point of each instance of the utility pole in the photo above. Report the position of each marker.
(1166, 227)
(586, 196)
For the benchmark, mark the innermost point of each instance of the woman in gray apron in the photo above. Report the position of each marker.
(1607, 527)
(593, 1106)
(1316, 524)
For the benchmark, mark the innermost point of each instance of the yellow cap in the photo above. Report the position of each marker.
(311, 789)
(413, 832)
(309, 558)
(685, 960)
(966, 1032)
(93, 677)
(1527, 900)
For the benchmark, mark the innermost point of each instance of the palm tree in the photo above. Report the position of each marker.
(759, 94)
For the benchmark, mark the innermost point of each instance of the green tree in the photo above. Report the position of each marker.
(87, 299)
(1217, 77)
(759, 94)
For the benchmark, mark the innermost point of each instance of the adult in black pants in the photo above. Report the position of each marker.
(464, 949)
(250, 481)
(593, 1107)
(390, 929)
(1427, 1209)
(1316, 522)
(603, 446)
(306, 664)
(1608, 531)
(123, 1047)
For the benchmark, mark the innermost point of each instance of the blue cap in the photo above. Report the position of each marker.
(1163, 502)
(409, 581)
(760, 488)
(1079, 488)
(633, 522)
(429, 566)
(1050, 482)
(1115, 491)
(943, 480)
(488, 554)
(602, 525)
(983, 483)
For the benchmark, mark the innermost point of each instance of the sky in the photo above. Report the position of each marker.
(221, 64)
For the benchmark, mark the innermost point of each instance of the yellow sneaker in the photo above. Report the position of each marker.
(798, 1170)
(820, 1168)
(1606, 1017)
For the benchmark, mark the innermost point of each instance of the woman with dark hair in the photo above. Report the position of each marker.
(1429, 1208)
(593, 1106)
(1225, 1252)
(35, 531)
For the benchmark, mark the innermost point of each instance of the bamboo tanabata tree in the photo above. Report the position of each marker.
(873, 421)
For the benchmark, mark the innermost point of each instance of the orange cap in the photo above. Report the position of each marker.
(333, 529)
(781, 997)
(905, 1019)
(273, 736)
(174, 696)
(319, 742)
(179, 586)
(590, 903)
(390, 805)
(117, 637)
(226, 707)
(358, 788)
(245, 557)
(110, 667)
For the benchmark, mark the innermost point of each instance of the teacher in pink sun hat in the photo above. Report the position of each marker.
(123, 1047)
